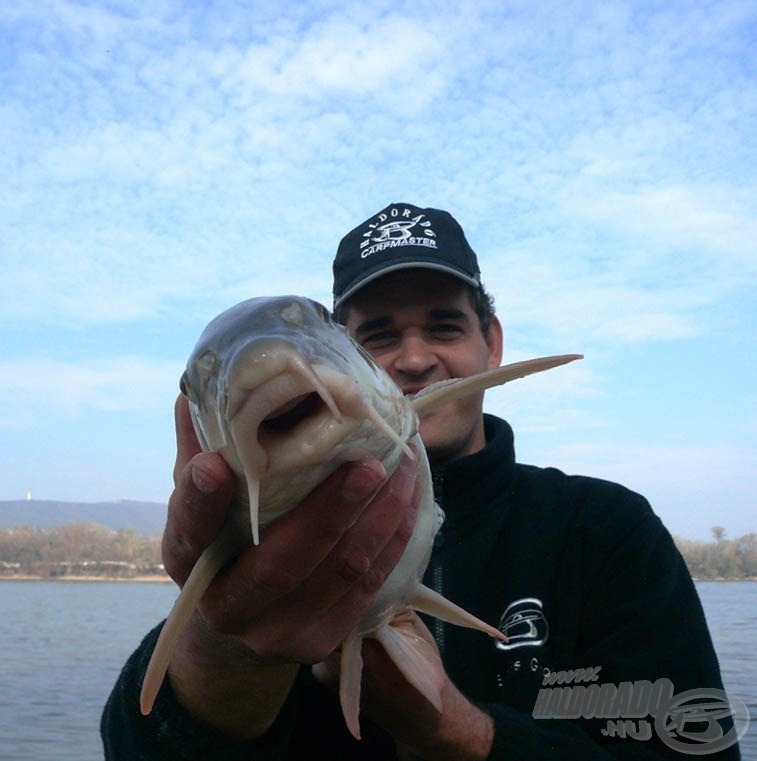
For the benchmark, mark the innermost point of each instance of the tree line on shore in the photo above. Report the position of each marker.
(88, 549)
(721, 558)
(78, 549)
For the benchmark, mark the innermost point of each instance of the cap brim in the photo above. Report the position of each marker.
(474, 282)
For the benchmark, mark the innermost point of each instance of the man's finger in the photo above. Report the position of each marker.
(197, 509)
(309, 606)
(187, 445)
(294, 545)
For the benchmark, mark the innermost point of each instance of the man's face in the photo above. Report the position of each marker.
(421, 327)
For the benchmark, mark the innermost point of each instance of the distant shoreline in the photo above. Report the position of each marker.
(163, 579)
(145, 579)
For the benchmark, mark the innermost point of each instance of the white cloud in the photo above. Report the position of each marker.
(162, 162)
(681, 219)
(338, 57)
(35, 389)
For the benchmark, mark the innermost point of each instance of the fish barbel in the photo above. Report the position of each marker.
(285, 395)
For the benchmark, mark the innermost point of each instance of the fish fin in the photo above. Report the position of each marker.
(417, 659)
(438, 394)
(207, 566)
(350, 674)
(426, 600)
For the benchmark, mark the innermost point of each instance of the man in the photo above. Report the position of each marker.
(579, 573)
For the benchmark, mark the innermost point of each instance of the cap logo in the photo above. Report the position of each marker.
(396, 228)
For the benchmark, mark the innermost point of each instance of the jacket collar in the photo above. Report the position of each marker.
(489, 472)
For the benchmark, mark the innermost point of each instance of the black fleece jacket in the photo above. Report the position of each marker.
(579, 573)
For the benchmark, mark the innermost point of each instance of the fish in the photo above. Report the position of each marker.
(285, 395)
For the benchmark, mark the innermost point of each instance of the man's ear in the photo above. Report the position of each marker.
(495, 341)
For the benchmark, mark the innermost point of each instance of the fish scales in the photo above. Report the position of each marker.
(286, 396)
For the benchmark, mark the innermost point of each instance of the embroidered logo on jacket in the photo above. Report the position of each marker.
(524, 624)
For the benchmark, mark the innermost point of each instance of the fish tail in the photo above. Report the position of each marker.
(417, 659)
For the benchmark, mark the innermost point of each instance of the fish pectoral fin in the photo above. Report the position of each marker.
(205, 569)
(350, 675)
(438, 394)
(426, 600)
(417, 659)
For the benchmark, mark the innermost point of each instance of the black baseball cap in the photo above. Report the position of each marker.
(402, 236)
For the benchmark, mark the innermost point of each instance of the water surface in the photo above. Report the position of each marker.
(64, 643)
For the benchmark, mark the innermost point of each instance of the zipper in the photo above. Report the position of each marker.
(440, 628)
(437, 569)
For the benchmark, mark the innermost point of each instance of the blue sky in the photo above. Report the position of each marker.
(162, 161)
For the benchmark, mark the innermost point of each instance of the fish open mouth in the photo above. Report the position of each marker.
(287, 417)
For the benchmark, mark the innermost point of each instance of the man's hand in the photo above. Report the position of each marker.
(291, 599)
(460, 732)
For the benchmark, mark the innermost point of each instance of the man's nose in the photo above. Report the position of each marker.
(415, 356)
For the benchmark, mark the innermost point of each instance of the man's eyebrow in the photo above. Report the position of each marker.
(375, 323)
(447, 313)
(437, 314)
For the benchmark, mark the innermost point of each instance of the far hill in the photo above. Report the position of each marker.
(141, 517)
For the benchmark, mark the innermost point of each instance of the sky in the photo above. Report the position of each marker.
(162, 161)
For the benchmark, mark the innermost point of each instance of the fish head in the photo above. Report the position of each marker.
(285, 395)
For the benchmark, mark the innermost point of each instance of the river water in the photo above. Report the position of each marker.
(63, 645)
